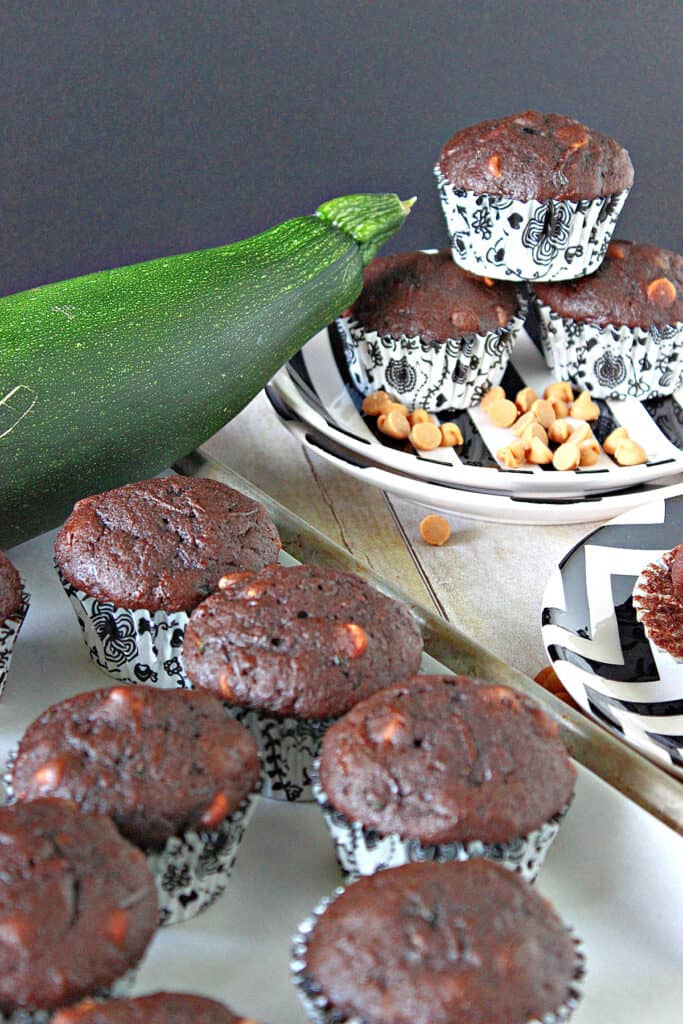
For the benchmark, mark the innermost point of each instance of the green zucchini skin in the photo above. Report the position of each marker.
(110, 377)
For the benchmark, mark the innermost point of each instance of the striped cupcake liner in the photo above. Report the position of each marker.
(364, 851)
(611, 361)
(288, 747)
(131, 645)
(9, 631)
(437, 376)
(118, 989)
(319, 1009)
(191, 870)
(528, 239)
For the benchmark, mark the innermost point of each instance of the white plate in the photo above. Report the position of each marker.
(500, 508)
(595, 643)
(317, 386)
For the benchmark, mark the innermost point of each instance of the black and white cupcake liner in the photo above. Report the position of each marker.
(9, 631)
(611, 361)
(131, 645)
(642, 592)
(288, 747)
(118, 989)
(528, 239)
(364, 851)
(436, 376)
(191, 870)
(319, 1009)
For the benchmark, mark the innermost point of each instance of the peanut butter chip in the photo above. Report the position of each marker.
(425, 436)
(561, 408)
(225, 687)
(451, 435)
(612, 440)
(662, 291)
(534, 430)
(49, 775)
(525, 398)
(616, 251)
(543, 411)
(396, 407)
(374, 403)
(629, 453)
(394, 424)
(559, 389)
(390, 727)
(589, 451)
(539, 454)
(231, 579)
(117, 926)
(358, 637)
(584, 408)
(567, 456)
(488, 281)
(465, 321)
(419, 416)
(559, 431)
(492, 395)
(435, 530)
(512, 455)
(524, 421)
(502, 412)
(215, 812)
(494, 165)
(581, 433)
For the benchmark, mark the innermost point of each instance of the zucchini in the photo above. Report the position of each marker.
(113, 376)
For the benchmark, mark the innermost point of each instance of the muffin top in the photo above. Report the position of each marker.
(444, 759)
(658, 600)
(427, 294)
(677, 572)
(441, 944)
(158, 762)
(163, 543)
(637, 285)
(300, 640)
(78, 904)
(535, 156)
(158, 1008)
(10, 589)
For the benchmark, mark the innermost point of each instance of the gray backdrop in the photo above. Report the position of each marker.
(131, 130)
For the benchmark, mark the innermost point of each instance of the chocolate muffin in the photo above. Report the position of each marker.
(619, 332)
(158, 1008)
(173, 769)
(438, 944)
(442, 767)
(290, 648)
(532, 196)
(429, 332)
(77, 905)
(136, 560)
(658, 601)
(14, 601)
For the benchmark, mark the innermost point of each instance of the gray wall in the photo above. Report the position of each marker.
(130, 130)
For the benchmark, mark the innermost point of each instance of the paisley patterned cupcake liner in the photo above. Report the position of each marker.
(612, 361)
(528, 240)
(191, 870)
(118, 989)
(641, 595)
(288, 747)
(363, 851)
(131, 645)
(321, 1011)
(436, 376)
(9, 631)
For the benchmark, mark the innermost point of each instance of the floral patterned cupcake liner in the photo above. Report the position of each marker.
(288, 747)
(321, 1011)
(612, 361)
(191, 870)
(118, 989)
(436, 376)
(528, 240)
(642, 604)
(131, 645)
(9, 631)
(363, 851)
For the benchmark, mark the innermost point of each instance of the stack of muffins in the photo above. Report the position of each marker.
(530, 202)
(126, 805)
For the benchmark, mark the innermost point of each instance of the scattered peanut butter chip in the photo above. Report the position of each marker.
(561, 408)
(534, 430)
(358, 637)
(419, 416)
(567, 457)
(49, 775)
(512, 455)
(393, 406)
(616, 251)
(662, 291)
(589, 452)
(629, 453)
(494, 165)
(559, 431)
(118, 923)
(610, 443)
(584, 408)
(451, 435)
(394, 424)
(492, 395)
(435, 530)
(581, 433)
(425, 437)
(524, 421)
(538, 453)
(215, 812)
(488, 281)
(543, 411)
(387, 727)
(374, 403)
(559, 389)
(502, 412)
(525, 398)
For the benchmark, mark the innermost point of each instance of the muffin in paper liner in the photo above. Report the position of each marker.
(434, 375)
(117, 990)
(649, 603)
(528, 239)
(363, 851)
(613, 360)
(320, 1011)
(288, 747)
(9, 631)
(131, 645)
(191, 870)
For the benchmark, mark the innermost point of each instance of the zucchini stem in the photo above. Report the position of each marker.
(369, 218)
